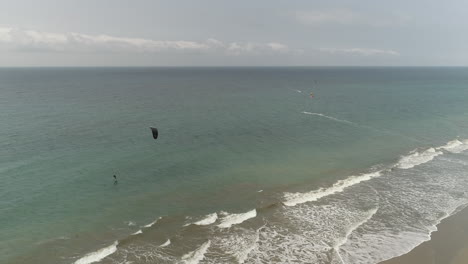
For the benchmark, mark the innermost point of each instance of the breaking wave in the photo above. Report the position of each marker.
(208, 220)
(417, 158)
(365, 218)
(456, 146)
(197, 255)
(165, 244)
(234, 219)
(98, 255)
(152, 223)
(293, 199)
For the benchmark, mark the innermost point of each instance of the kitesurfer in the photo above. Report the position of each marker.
(155, 132)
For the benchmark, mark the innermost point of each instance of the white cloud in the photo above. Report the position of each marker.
(30, 40)
(350, 17)
(360, 51)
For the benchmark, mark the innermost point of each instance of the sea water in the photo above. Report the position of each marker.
(248, 168)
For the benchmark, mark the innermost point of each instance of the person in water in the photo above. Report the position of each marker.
(115, 180)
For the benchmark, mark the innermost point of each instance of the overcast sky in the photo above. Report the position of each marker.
(233, 33)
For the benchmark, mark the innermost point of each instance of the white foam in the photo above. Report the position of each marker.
(98, 255)
(417, 158)
(455, 146)
(208, 220)
(351, 229)
(242, 255)
(234, 219)
(293, 199)
(152, 223)
(167, 243)
(197, 255)
(137, 232)
(130, 223)
(260, 191)
(330, 117)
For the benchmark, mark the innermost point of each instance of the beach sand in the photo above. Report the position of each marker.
(448, 245)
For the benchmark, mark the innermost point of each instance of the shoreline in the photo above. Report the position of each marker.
(448, 244)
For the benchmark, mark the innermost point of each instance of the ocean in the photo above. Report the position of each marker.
(248, 168)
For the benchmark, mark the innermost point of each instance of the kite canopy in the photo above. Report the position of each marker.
(155, 132)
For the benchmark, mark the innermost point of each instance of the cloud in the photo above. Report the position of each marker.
(360, 51)
(31, 40)
(350, 17)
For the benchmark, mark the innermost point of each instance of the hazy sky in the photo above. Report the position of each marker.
(241, 32)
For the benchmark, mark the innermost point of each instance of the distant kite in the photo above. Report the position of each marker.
(155, 132)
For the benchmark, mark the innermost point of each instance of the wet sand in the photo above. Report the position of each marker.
(448, 245)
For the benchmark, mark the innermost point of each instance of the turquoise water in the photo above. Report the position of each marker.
(225, 134)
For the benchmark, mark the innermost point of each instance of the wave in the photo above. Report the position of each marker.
(165, 244)
(208, 220)
(98, 255)
(197, 255)
(339, 226)
(330, 117)
(417, 158)
(409, 161)
(455, 146)
(234, 219)
(152, 223)
(137, 232)
(293, 199)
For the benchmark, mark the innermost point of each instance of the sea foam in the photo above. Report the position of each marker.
(351, 229)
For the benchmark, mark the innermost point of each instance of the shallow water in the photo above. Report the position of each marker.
(225, 134)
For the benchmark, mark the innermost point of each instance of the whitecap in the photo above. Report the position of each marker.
(98, 255)
(417, 158)
(165, 244)
(293, 199)
(208, 220)
(197, 255)
(234, 219)
(137, 232)
(455, 146)
(152, 223)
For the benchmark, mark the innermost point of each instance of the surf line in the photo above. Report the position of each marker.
(362, 126)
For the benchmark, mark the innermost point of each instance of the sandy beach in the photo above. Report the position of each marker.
(448, 245)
